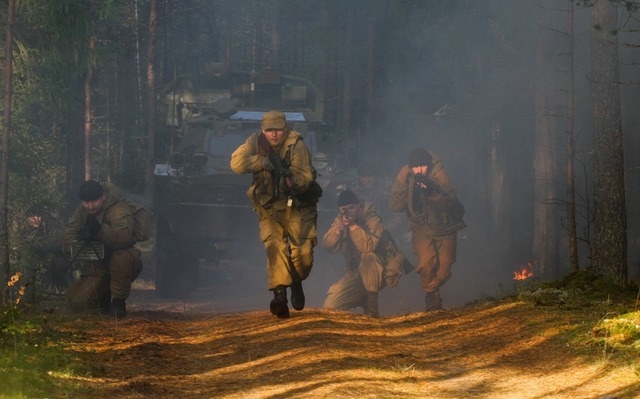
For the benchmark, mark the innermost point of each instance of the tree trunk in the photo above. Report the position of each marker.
(545, 233)
(151, 94)
(574, 263)
(329, 68)
(501, 229)
(88, 115)
(347, 67)
(6, 133)
(272, 59)
(609, 244)
(74, 125)
(138, 121)
(109, 144)
(371, 63)
(365, 146)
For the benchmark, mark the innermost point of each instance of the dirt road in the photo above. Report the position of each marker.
(203, 348)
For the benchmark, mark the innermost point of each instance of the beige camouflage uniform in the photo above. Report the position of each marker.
(289, 259)
(372, 260)
(433, 226)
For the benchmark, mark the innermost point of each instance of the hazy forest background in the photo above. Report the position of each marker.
(531, 105)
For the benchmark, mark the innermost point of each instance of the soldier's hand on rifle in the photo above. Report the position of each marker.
(346, 219)
(92, 226)
(289, 182)
(84, 235)
(424, 184)
(265, 164)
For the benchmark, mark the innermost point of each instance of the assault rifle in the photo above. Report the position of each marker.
(85, 248)
(345, 215)
(430, 185)
(454, 208)
(279, 170)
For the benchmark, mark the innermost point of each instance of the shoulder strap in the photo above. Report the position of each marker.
(287, 156)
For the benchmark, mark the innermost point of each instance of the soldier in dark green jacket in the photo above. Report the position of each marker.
(103, 219)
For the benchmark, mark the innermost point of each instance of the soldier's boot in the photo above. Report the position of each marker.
(433, 301)
(104, 305)
(279, 302)
(297, 295)
(118, 308)
(371, 309)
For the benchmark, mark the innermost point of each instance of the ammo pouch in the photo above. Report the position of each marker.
(311, 196)
(395, 263)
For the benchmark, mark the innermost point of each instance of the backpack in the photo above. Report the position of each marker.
(140, 221)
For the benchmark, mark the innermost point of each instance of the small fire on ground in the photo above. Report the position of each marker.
(525, 272)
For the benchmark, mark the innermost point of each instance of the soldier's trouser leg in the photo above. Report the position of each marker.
(371, 272)
(289, 260)
(302, 239)
(124, 266)
(435, 255)
(91, 291)
(346, 293)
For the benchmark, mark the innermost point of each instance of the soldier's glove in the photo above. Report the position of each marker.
(423, 183)
(92, 226)
(84, 235)
(265, 164)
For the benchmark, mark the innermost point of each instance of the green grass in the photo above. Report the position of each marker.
(607, 316)
(33, 359)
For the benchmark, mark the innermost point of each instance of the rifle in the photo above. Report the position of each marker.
(454, 207)
(85, 248)
(345, 216)
(430, 185)
(279, 171)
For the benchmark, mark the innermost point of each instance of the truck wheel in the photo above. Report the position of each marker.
(176, 266)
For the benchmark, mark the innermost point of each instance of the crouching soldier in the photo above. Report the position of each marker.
(372, 259)
(103, 225)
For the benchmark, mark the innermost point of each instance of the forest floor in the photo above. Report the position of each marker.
(509, 348)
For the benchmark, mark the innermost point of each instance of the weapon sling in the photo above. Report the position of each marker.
(277, 175)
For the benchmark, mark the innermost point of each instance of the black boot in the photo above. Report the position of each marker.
(433, 301)
(372, 305)
(279, 302)
(297, 295)
(118, 308)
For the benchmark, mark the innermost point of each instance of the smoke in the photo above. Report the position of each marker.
(457, 79)
(461, 83)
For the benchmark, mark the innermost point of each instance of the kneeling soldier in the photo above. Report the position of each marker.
(372, 258)
(103, 220)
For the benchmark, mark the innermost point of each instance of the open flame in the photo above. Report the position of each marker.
(525, 272)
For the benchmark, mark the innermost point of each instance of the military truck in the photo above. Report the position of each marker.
(203, 213)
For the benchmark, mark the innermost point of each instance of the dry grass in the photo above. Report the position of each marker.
(509, 349)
